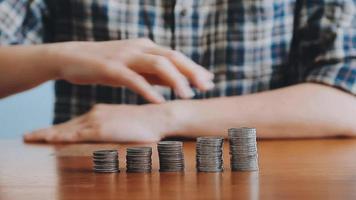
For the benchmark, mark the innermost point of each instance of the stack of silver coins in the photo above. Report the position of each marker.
(209, 154)
(171, 156)
(243, 149)
(106, 161)
(139, 159)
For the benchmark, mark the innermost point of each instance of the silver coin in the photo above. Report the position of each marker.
(171, 156)
(209, 154)
(106, 157)
(170, 143)
(243, 132)
(105, 161)
(105, 152)
(139, 149)
(242, 141)
(138, 159)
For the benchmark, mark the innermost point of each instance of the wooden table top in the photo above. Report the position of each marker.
(289, 169)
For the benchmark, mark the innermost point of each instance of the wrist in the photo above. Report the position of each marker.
(43, 57)
(53, 59)
(177, 117)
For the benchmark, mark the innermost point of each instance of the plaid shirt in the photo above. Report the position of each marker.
(250, 45)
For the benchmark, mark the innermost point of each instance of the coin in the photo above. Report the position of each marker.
(105, 161)
(243, 149)
(138, 159)
(171, 156)
(209, 151)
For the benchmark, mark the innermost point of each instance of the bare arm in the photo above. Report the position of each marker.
(136, 64)
(23, 67)
(301, 111)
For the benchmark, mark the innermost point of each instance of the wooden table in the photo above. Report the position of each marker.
(289, 169)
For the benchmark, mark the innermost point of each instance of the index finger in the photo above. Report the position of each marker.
(197, 74)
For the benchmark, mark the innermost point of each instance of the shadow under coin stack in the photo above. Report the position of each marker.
(171, 156)
(209, 154)
(106, 161)
(243, 149)
(138, 159)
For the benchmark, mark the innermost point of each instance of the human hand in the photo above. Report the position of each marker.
(110, 123)
(136, 64)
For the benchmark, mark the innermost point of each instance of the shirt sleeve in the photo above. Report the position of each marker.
(21, 22)
(327, 43)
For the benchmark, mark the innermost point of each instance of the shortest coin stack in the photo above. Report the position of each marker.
(243, 149)
(106, 161)
(209, 152)
(138, 159)
(171, 156)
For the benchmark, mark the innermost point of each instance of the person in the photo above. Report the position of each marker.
(287, 68)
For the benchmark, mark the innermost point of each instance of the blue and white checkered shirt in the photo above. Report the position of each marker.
(250, 45)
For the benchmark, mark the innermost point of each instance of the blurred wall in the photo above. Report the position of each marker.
(26, 111)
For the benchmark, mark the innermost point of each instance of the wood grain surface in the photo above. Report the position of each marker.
(289, 169)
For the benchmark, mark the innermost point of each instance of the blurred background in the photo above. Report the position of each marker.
(26, 111)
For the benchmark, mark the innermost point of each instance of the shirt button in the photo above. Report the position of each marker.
(183, 12)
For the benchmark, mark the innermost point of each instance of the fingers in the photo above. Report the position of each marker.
(66, 132)
(121, 63)
(153, 79)
(52, 135)
(101, 124)
(166, 71)
(38, 136)
(198, 75)
(56, 134)
(134, 81)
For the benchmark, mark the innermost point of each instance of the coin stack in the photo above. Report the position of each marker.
(138, 159)
(209, 157)
(171, 156)
(243, 149)
(106, 161)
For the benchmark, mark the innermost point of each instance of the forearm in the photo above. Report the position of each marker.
(305, 110)
(23, 67)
